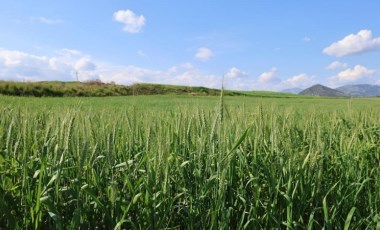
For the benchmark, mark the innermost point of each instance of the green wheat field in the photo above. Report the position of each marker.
(189, 162)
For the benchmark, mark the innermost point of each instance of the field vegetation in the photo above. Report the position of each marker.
(189, 162)
(96, 88)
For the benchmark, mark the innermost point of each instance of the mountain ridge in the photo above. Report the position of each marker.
(361, 90)
(323, 91)
(292, 90)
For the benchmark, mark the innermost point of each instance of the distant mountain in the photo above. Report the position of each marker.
(320, 90)
(292, 90)
(362, 90)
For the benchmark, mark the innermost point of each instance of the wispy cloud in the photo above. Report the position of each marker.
(132, 23)
(47, 21)
(236, 73)
(187, 65)
(300, 81)
(141, 53)
(336, 65)
(204, 54)
(68, 52)
(268, 76)
(306, 39)
(354, 44)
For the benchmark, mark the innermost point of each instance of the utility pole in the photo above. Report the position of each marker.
(76, 73)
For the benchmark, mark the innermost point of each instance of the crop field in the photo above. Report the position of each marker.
(189, 162)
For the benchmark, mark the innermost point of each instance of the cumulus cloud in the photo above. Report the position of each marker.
(66, 63)
(47, 21)
(267, 76)
(355, 73)
(354, 44)
(237, 79)
(337, 65)
(132, 23)
(196, 78)
(126, 75)
(236, 73)
(301, 80)
(21, 66)
(176, 75)
(184, 67)
(204, 54)
(85, 64)
(269, 81)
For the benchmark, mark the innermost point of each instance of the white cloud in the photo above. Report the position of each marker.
(267, 76)
(45, 20)
(187, 65)
(307, 39)
(354, 44)
(132, 22)
(128, 75)
(21, 66)
(69, 52)
(235, 73)
(354, 74)
(237, 79)
(204, 54)
(173, 69)
(184, 67)
(64, 64)
(357, 75)
(337, 65)
(301, 80)
(196, 78)
(85, 64)
(268, 81)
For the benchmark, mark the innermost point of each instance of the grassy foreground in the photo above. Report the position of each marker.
(158, 162)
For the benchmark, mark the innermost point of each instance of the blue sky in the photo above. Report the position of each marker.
(256, 45)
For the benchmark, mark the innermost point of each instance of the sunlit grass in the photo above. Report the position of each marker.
(176, 162)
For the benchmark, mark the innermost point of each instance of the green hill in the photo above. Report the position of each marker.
(99, 89)
(60, 89)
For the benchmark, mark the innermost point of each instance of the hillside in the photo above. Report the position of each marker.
(362, 90)
(153, 89)
(267, 94)
(320, 90)
(292, 90)
(60, 89)
(99, 89)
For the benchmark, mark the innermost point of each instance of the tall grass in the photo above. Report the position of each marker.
(189, 168)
